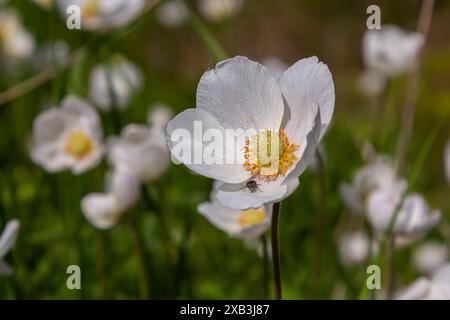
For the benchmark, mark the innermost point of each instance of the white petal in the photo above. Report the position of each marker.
(381, 207)
(227, 219)
(143, 150)
(230, 173)
(91, 161)
(307, 150)
(416, 291)
(415, 216)
(8, 237)
(441, 280)
(171, 13)
(391, 50)
(429, 256)
(217, 10)
(101, 210)
(354, 248)
(83, 112)
(49, 126)
(125, 186)
(112, 13)
(304, 85)
(236, 196)
(241, 94)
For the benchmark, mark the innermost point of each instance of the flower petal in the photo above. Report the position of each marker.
(241, 94)
(194, 144)
(307, 150)
(236, 196)
(101, 210)
(304, 85)
(8, 237)
(416, 291)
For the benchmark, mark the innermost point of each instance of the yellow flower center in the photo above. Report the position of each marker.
(269, 154)
(78, 145)
(90, 9)
(251, 217)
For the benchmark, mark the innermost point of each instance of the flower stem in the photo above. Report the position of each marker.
(390, 266)
(409, 109)
(143, 279)
(265, 266)
(205, 35)
(156, 208)
(320, 220)
(275, 251)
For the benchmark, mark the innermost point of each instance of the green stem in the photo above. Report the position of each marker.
(275, 251)
(138, 248)
(205, 35)
(320, 220)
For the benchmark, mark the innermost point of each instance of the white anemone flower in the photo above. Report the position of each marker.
(243, 224)
(391, 50)
(141, 149)
(103, 210)
(429, 256)
(287, 116)
(104, 14)
(15, 41)
(113, 83)
(354, 248)
(435, 288)
(447, 161)
(172, 13)
(414, 218)
(69, 137)
(218, 10)
(7, 240)
(378, 174)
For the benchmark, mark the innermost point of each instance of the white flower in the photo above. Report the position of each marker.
(354, 248)
(103, 210)
(378, 174)
(141, 149)
(68, 137)
(436, 288)
(15, 41)
(113, 83)
(291, 113)
(104, 14)
(7, 240)
(429, 256)
(159, 115)
(171, 13)
(245, 224)
(218, 10)
(46, 4)
(447, 160)
(414, 218)
(391, 50)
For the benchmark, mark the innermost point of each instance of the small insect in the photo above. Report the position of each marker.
(252, 186)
